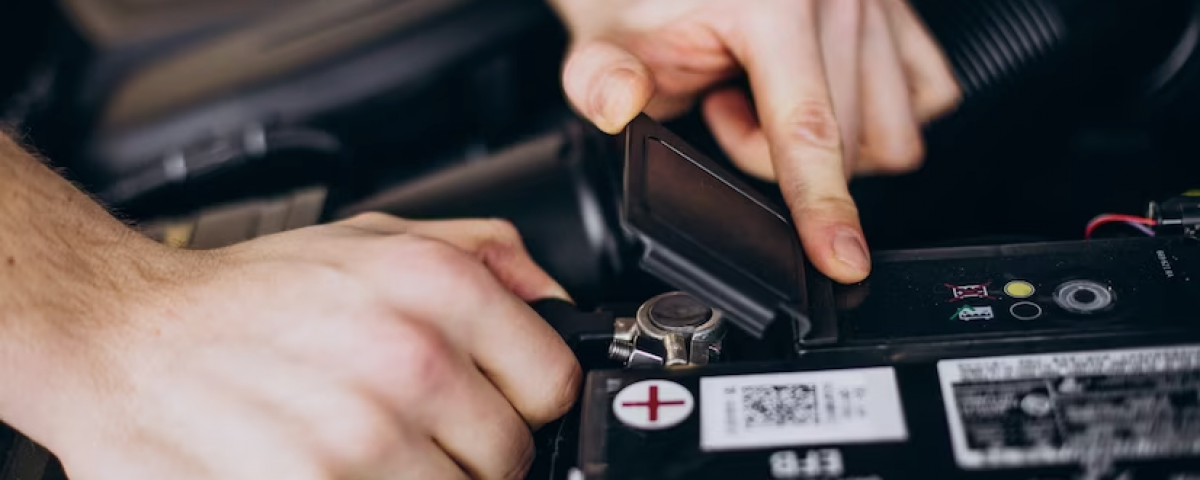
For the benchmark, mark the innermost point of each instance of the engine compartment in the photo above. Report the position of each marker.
(1072, 111)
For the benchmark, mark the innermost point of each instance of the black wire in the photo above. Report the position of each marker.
(223, 157)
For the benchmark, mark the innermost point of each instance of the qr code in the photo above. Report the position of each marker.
(779, 405)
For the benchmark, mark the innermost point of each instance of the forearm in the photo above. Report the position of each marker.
(65, 267)
(52, 238)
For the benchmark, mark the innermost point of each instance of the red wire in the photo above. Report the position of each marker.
(1103, 220)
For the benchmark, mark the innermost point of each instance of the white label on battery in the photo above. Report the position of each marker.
(1072, 408)
(800, 408)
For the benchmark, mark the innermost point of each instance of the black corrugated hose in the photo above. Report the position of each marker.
(1003, 50)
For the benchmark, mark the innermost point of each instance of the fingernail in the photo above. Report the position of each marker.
(561, 294)
(611, 101)
(850, 248)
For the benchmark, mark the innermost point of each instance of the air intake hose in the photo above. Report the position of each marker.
(1006, 50)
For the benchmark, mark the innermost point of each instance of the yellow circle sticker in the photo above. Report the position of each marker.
(1019, 289)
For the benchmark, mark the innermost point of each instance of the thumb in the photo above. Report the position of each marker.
(607, 85)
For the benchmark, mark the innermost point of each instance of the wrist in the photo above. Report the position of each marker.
(61, 331)
(71, 279)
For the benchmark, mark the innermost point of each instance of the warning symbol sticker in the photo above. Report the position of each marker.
(969, 313)
(963, 292)
(653, 405)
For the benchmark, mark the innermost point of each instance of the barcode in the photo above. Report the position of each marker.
(791, 409)
(779, 405)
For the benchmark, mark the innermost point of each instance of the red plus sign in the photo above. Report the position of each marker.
(653, 403)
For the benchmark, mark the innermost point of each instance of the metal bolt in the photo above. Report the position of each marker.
(621, 351)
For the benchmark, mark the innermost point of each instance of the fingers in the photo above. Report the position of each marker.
(437, 387)
(514, 347)
(422, 459)
(496, 243)
(889, 135)
(735, 126)
(841, 38)
(935, 91)
(891, 138)
(526, 359)
(782, 54)
(412, 454)
(499, 245)
(478, 367)
(480, 429)
(428, 386)
(607, 85)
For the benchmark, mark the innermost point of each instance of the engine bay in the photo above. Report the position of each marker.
(1028, 316)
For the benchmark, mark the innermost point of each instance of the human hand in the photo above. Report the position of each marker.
(840, 87)
(376, 348)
